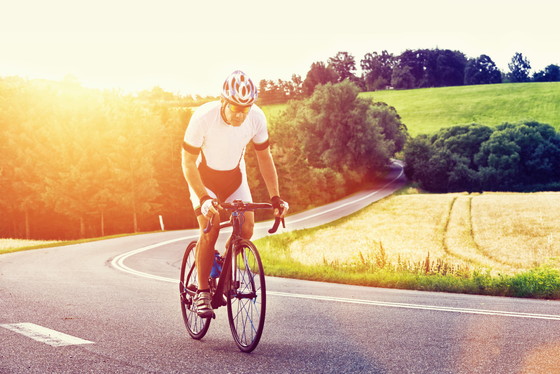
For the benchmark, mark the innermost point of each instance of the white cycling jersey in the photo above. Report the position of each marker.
(222, 150)
(224, 145)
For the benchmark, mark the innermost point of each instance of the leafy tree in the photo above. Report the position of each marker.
(551, 73)
(417, 153)
(22, 165)
(303, 184)
(539, 151)
(482, 70)
(378, 69)
(413, 62)
(445, 161)
(296, 87)
(344, 64)
(449, 68)
(270, 92)
(464, 140)
(499, 162)
(318, 74)
(134, 164)
(519, 68)
(402, 78)
(391, 125)
(343, 133)
(433, 68)
(328, 144)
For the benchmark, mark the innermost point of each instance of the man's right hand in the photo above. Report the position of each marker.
(209, 206)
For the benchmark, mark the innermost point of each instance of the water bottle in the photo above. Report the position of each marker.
(217, 265)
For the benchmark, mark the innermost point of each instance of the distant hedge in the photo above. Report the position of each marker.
(509, 157)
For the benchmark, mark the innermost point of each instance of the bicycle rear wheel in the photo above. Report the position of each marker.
(188, 285)
(247, 296)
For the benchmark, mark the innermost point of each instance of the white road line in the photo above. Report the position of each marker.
(45, 335)
(118, 262)
(292, 221)
(419, 306)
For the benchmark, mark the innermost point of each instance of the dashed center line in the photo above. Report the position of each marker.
(45, 335)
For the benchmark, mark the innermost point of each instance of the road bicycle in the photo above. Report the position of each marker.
(237, 280)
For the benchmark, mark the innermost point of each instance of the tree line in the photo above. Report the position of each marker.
(78, 162)
(413, 68)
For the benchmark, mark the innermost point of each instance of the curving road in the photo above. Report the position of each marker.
(112, 306)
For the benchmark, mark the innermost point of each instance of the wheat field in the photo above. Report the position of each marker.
(500, 232)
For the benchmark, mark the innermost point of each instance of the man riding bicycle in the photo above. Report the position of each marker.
(214, 167)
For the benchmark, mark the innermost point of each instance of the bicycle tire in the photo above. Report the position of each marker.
(196, 326)
(246, 298)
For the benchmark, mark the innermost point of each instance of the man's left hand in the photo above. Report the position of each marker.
(280, 206)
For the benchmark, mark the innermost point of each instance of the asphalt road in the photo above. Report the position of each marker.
(117, 302)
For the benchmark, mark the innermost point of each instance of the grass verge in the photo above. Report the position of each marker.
(16, 245)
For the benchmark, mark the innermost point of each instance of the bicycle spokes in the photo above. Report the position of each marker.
(196, 326)
(247, 301)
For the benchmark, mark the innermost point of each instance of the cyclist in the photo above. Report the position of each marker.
(214, 167)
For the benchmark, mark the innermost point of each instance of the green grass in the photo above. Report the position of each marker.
(426, 110)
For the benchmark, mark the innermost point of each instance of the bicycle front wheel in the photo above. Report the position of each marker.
(247, 296)
(196, 326)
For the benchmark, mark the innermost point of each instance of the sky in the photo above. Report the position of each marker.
(189, 47)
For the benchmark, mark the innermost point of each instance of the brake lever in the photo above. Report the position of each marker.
(210, 223)
(209, 226)
(277, 221)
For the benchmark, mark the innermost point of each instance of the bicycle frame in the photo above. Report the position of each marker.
(241, 281)
(237, 208)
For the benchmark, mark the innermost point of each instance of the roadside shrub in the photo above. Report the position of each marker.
(509, 157)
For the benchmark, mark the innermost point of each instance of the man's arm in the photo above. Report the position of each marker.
(191, 174)
(268, 171)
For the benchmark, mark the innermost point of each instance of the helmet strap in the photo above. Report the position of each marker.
(223, 113)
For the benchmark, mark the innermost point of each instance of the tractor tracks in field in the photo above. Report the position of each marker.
(459, 239)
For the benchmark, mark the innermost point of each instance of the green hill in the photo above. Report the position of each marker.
(429, 109)
(426, 110)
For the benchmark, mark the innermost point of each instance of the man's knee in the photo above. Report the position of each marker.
(247, 230)
(209, 238)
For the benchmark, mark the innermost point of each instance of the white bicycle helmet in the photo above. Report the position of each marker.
(239, 89)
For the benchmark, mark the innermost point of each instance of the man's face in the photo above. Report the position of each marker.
(236, 114)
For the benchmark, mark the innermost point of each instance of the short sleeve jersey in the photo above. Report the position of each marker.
(224, 145)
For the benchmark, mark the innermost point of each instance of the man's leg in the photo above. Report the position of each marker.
(247, 229)
(205, 250)
(248, 225)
